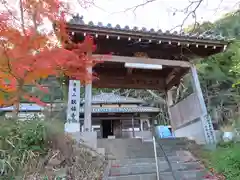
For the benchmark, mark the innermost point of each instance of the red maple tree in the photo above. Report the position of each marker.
(29, 53)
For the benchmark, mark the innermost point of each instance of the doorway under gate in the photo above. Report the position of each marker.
(107, 129)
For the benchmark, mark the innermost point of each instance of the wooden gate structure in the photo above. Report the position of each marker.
(172, 53)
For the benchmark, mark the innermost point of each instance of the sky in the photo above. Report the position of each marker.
(157, 15)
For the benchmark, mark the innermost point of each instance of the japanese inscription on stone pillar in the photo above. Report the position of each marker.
(73, 106)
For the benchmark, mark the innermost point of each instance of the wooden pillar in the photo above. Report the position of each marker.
(169, 98)
(207, 125)
(88, 106)
(169, 101)
(141, 124)
(133, 131)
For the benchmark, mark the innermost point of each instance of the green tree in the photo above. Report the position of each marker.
(219, 74)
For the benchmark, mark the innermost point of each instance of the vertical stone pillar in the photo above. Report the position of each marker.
(88, 136)
(88, 106)
(209, 133)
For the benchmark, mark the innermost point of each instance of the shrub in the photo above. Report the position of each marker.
(223, 144)
(40, 150)
(22, 144)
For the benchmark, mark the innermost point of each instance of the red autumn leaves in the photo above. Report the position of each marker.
(28, 55)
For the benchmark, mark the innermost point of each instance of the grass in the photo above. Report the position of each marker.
(225, 160)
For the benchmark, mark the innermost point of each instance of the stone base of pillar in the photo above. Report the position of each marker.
(72, 127)
(88, 138)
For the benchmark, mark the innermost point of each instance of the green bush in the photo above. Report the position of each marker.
(223, 144)
(22, 144)
(226, 160)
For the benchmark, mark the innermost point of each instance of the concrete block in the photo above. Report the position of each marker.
(192, 131)
(144, 134)
(101, 151)
(111, 137)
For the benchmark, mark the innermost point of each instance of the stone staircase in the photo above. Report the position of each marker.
(134, 160)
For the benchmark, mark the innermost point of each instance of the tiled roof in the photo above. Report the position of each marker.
(24, 107)
(36, 108)
(122, 109)
(111, 98)
(208, 35)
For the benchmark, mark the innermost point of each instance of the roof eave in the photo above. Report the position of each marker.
(74, 27)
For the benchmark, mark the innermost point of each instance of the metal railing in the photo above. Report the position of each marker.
(156, 159)
(168, 162)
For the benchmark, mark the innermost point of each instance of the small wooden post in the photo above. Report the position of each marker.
(207, 125)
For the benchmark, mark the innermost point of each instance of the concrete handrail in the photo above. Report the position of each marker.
(155, 155)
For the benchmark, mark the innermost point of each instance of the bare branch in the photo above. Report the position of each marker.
(22, 16)
(134, 8)
(87, 3)
(193, 4)
(3, 2)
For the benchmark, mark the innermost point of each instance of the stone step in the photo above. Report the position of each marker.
(172, 146)
(152, 176)
(136, 149)
(135, 160)
(184, 175)
(187, 175)
(132, 170)
(139, 168)
(180, 159)
(175, 139)
(181, 155)
(172, 156)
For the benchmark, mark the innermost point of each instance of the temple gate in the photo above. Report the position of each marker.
(166, 58)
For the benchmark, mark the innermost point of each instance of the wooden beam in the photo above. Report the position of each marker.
(129, 71)
(177, 78)
(172, 75)
(130, 81)
(143, 60)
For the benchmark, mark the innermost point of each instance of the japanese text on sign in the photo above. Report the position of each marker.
(73, 101)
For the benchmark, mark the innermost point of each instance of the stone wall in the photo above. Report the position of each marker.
(193, 131)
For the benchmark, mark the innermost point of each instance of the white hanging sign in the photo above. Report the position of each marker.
(72, 124)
